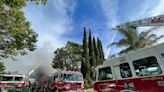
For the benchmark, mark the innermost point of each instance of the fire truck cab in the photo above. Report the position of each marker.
(67, 81)
(14, 82)
(137, 71)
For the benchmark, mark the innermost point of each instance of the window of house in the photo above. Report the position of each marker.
(147, 66)
(105, 74)
(125, 70)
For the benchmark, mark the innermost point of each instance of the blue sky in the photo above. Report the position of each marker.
(63, 20)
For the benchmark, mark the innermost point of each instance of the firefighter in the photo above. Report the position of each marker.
(33, 87)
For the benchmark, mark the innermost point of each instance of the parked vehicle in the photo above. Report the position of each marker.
(14, 82)
(137, 71)
(67, 81)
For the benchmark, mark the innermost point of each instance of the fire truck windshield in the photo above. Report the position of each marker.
(6, 78)
(18, 79)
(73, 77)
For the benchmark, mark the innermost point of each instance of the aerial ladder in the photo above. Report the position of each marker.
(152, 21)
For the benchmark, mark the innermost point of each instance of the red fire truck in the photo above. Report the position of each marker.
(137, 71)
(13, 81)
(67, 81)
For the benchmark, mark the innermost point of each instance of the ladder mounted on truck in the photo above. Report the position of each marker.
(152, 21)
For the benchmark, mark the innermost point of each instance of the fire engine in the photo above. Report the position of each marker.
(13, 81)
(67, 81)
(137, 71)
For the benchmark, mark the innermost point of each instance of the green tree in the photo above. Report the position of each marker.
(59, 58)
(96, 55)
(85, 65)
(68, 57)
(101, 52)
(75, 51)
(91, 55)
(133, 40)
(91, 50)
(2, 67)
(16, 35)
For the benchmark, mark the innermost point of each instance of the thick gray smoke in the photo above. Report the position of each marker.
(42, 57)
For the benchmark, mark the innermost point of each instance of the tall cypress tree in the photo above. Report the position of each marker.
(101, 52)
(85, 65)
(94, 46)
(96, 53)
(91, 56)
(91, 50)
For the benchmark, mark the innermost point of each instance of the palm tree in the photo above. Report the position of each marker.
(133, 40)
